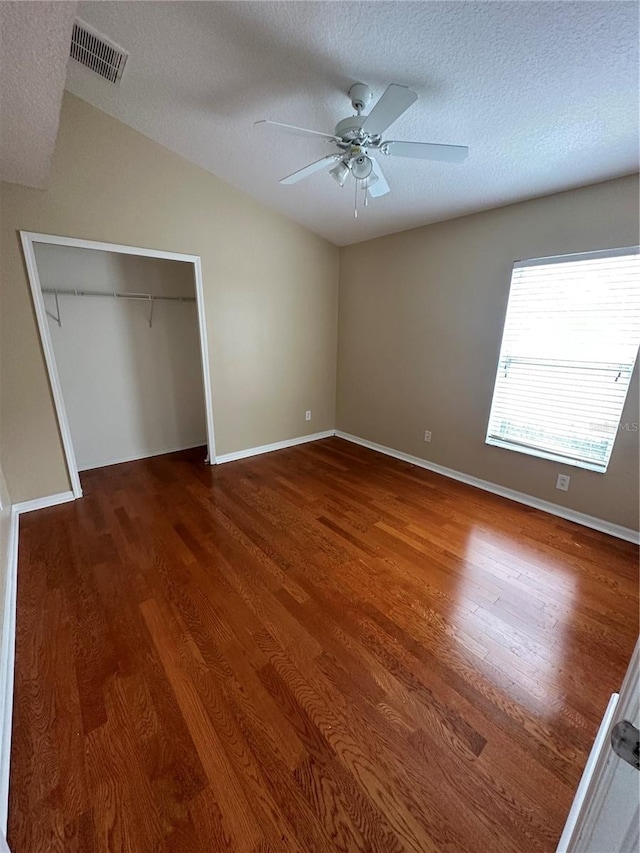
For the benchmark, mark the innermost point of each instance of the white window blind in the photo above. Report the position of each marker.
(570, 341)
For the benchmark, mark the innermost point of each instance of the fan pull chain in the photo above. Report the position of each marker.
(355, 202)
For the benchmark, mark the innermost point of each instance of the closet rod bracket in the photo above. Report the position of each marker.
(57, 316)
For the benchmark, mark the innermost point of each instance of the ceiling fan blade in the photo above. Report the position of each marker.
(426, 151)
(310, 169)
(381, 187)
(298, 131)
(394, 101)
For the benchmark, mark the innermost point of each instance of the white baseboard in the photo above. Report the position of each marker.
(147, 454)
(590, 521)
(7, 657)
(8, 640)
(267, 448)
(43, 503)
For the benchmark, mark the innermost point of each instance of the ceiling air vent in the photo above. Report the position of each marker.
(94, 50)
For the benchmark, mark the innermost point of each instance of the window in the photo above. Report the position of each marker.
(570, 341)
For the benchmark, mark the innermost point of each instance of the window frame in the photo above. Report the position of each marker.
(539, 453)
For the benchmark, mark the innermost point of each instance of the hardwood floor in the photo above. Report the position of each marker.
(320, 649)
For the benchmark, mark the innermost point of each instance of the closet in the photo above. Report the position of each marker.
(125, 335)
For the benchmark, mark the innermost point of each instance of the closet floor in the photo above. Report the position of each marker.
(318, 649)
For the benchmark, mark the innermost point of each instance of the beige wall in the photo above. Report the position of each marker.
(421, 316)
(270, 291)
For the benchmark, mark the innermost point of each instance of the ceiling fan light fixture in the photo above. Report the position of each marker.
(340, 173)
(362, 167)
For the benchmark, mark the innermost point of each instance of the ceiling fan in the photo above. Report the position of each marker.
(359, 137)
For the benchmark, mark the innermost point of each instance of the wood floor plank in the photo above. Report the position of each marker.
(237, 814)
(315, 650)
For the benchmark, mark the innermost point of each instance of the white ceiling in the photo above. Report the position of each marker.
(545, 94)
(34, 46)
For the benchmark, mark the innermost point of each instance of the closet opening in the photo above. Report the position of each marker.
(124, 337)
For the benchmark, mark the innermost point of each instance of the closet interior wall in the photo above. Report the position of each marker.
(132, 388)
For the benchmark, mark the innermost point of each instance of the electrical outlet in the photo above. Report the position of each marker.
(307, 415)
(562, 482)
(427, 435)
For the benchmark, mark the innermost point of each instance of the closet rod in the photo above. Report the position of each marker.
(146, 297)
(114, 294)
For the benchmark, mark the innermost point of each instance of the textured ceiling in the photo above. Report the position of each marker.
(34, 46)
(545, 94)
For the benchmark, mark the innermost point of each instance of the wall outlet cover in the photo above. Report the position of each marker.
(307, 415)
(562, 482)
(427, 435)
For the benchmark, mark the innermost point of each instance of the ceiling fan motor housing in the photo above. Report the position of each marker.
(350, 129)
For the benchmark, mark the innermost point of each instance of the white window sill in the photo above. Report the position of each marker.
(598, 468)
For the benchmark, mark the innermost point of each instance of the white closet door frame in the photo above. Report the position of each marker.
(28, 239)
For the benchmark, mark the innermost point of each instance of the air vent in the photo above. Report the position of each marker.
(92, 49)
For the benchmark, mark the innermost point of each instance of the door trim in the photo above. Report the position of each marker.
(575, 819)
(28, 239)
(592, 789)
